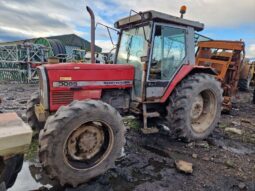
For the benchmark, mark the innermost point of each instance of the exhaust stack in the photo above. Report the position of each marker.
(92, 33)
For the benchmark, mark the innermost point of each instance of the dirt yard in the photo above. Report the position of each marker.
(225, 161)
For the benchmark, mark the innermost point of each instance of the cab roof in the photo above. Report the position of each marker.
(159, 17)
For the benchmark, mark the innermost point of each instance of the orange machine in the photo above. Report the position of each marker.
(226, 57)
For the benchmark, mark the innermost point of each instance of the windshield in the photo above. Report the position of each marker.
(133, 45)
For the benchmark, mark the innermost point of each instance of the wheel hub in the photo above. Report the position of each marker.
(197, 107)
(203, 111)
(85, 142)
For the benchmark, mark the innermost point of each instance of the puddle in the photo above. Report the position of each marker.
(232, 146)
(25, 181)
(31, 178)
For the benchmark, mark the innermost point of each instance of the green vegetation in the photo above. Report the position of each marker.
(132, 123)
(31, 153)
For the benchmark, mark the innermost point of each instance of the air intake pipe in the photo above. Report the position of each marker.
(92, 34)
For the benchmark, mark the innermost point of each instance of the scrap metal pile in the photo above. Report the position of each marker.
(18, 62)
(226, 57)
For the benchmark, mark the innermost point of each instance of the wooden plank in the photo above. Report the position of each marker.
(15, 135)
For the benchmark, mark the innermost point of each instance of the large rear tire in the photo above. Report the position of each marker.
(244, 84)
(195, 107)
(10, 169)
(31, 116)
(81, 141)
(253, 97)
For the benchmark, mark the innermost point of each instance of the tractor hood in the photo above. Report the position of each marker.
(60, 84)
(86, 66)
(89, 72)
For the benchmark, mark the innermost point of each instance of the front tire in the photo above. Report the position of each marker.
(10, 169)
(195, 107)
(81, 141)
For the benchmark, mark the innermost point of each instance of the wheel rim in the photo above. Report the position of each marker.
(88, 145)
(203, 111)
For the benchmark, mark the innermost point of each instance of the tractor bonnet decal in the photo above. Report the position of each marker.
(91, 83)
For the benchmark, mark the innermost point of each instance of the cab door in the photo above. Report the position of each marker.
(167, 56)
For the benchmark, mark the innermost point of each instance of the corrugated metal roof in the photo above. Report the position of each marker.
(74, 40)
(67, 40)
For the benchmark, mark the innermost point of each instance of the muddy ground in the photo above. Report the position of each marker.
(225, 161)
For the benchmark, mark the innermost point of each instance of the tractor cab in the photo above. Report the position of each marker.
(157, 45)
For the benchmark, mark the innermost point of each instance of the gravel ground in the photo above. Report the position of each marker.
(225, 161)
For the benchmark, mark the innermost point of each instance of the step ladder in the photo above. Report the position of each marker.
(146, 115)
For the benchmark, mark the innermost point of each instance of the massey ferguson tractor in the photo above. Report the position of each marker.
(154, 75)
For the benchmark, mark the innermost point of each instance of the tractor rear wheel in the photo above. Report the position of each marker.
(31, 116)
(81, 141)
(195, 107)
(244, 84)
(246, 77)
(253, 97)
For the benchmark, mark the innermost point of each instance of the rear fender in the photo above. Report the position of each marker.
(184, 72)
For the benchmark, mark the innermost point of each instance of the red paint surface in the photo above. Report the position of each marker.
(183, 72)
(101, 72)
(87, 72)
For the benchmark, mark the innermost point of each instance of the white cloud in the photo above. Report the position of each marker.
(39, 18)
(250, 51)
(217, 13)
(106, 45)
(43, 18)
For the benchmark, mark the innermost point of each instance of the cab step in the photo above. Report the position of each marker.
(146, 115)
(153, 114)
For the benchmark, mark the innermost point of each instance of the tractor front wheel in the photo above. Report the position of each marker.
(81, 141)
(195, 107)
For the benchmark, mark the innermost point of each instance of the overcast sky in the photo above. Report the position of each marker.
(223, 19)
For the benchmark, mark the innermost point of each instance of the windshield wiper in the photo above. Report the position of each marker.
(109, 33)
(129, 48)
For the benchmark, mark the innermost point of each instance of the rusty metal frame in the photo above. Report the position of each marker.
(226, 58)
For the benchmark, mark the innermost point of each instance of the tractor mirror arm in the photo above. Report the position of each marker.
(109, 33)
(142, 17)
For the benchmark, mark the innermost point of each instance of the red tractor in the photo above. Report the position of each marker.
(153, 75)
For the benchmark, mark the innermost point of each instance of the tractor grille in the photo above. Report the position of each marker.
(62, 97)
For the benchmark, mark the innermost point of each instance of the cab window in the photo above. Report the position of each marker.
(168, 52)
